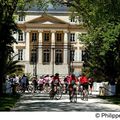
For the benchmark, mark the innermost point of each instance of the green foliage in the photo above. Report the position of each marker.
(102, 19)
(12, 67)
(29, 75)
(7, 102)
(7, 28)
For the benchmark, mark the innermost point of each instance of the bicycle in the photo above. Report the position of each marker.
(21, 89)
(73, 93)
(84, 94)
(56, 93)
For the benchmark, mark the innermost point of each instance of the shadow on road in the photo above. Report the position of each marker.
(40, 102)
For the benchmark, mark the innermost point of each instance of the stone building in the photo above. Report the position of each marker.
(48, 42)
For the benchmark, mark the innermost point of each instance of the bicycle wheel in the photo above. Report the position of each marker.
(58, 93)
(82, 95)
(86, 95)
(30, 88)
(51, 95)
(75, 96)
(18, 89)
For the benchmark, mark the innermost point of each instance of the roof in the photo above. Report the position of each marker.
(47, 18)
(50, 9)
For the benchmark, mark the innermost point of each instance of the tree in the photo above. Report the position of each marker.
(12, 67)
(102, 20)
(8, 27)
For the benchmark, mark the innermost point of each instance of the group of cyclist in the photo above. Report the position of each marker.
(78, 84)
(71, 82)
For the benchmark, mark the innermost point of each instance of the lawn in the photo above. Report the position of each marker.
(8, 101)
(112, 99)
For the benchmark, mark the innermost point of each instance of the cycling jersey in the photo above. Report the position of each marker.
(83, 80)
(73, 80)
(56, 80)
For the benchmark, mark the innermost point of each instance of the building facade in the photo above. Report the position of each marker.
(49, 43)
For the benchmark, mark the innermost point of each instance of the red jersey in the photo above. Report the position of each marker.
(56, 79)
(71, 79)
(83, 80)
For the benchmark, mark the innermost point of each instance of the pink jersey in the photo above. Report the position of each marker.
(40, 81)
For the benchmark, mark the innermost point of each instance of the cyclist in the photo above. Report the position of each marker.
(84, 82)
(55, 82)
(72, 82)
(91, 81)
(66, 80)
(41, 83)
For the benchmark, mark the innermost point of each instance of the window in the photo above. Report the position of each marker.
(46, 36)
(21, 18)
(33, 56)
(46, 56)
(72, 37)
(20, 54)
(58, 36)
(72, 54)
(34, 36)
(20, 36)
(58, 57)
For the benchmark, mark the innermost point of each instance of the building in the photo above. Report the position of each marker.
(48, 42)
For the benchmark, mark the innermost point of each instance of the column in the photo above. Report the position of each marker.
(65, 58)
(52, 59)
(53, 37)
(27, 52)
(65, 37)
(40, 48)
(53, 51)
(24, 36)
(52, 46)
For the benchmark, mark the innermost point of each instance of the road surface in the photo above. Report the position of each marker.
(42, 102)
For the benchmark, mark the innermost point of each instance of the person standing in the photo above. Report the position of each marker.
(24, 82)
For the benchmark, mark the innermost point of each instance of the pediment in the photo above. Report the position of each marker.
(46, 19)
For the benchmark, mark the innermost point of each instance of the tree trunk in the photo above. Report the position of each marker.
(1, 85)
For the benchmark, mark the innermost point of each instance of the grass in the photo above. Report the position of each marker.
(8, 101)
(112, 99)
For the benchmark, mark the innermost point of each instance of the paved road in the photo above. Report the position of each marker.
(41, 102)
